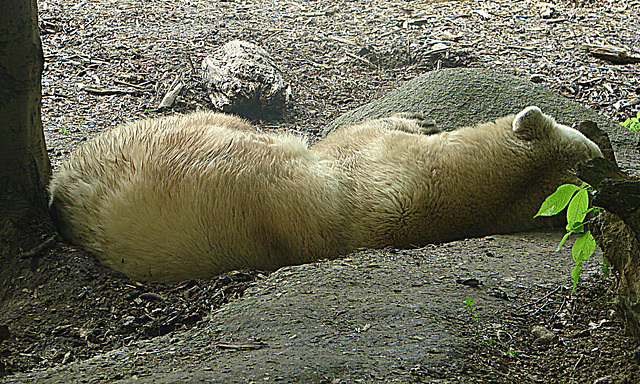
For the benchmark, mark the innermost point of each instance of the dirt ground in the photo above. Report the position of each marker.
(62, 307)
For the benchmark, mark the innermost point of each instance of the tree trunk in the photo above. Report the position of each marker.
(617, 232)
(24, 165)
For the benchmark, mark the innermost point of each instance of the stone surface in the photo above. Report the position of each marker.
(542, 335)
(377, 316)
(241, 78)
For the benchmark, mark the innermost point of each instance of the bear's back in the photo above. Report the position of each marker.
(168, 197)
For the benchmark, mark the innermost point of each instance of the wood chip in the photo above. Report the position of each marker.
(421, 21)
(354, 56)
(110, 91)
(170, 97)
(472, 282)
(437, 48)
(612, 53)
(152, 296)
(341, 40)
(484, 14)
(536, 78)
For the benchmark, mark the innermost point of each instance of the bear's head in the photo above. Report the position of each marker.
(569, 144)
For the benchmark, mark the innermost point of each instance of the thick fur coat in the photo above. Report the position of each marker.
(193, 196)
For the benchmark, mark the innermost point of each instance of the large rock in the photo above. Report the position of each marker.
(241, 78)
(466, 96)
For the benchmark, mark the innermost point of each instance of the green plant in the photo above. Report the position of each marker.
(508, 350)
(633, 123)
(511, 352)
(64, 130)
(576, 200)
(470, 306)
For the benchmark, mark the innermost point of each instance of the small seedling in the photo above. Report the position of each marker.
(470, 306)
(64, 130)
(633, 123)
(508, 350)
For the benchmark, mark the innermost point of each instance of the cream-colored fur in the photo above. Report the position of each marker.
(193, 196)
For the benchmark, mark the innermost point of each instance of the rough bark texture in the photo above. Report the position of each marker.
(617, 231)
(598, 136)
(24, 165)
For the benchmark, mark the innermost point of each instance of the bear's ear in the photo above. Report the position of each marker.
(531, 122)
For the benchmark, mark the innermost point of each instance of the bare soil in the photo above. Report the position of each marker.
(59, 305)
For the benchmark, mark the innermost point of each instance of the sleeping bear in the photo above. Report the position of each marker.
(193, 196)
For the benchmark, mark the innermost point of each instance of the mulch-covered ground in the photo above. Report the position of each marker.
(336, 56)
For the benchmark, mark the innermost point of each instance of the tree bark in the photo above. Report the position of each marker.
(617, 232)
(24, 164)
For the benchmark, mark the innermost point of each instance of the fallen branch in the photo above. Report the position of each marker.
(111, 91)
(40, 249)
(617, 55)
(353, 56)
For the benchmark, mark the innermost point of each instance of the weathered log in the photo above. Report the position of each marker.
(621, 247)
(616, 192)
(598, 136)
(598, 169)
(621, 197)
(617, 231)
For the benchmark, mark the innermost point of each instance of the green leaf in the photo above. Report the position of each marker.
(577, 210)
(575, 274)
(469, 304)
(583, 248)
(558, 200)
(564, 238)
(632, 123)
(575, 227)
(512, 352)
